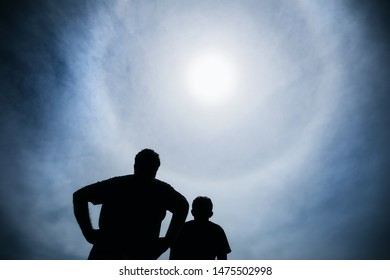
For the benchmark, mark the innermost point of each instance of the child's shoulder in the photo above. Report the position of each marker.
(212, 224)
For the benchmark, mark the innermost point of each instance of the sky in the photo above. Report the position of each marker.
(287, 132)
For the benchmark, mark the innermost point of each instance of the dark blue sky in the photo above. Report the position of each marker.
(296, 163)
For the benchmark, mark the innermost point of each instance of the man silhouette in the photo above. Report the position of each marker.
(201, 239)
(133, 207)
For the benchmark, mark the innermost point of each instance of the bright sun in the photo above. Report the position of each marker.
(211, 78)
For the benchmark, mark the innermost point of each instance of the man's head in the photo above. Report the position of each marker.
(202, 208)
(146, 163)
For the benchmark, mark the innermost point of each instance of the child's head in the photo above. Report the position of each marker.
(202, 208)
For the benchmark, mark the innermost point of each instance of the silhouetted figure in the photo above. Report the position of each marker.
(201, 239)
(133, 207)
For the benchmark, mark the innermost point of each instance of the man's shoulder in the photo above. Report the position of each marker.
(117, 179)
(132, 179)
(162, 184)
(124, 177)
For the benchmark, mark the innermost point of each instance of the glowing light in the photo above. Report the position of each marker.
(211, 78)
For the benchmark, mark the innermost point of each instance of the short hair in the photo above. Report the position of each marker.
(202, 206)
(146, 162)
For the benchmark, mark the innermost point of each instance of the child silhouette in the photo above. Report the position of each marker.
(201, 239)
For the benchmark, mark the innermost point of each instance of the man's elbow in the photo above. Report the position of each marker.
(181, 208)
(185, 207)
(77, 197)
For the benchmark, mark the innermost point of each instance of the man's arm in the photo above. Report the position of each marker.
(178, 206)
(81, 212)
(179, 215)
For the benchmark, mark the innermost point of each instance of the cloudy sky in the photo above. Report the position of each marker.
(277, 110)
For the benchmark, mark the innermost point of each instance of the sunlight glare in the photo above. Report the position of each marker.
(211, 78)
